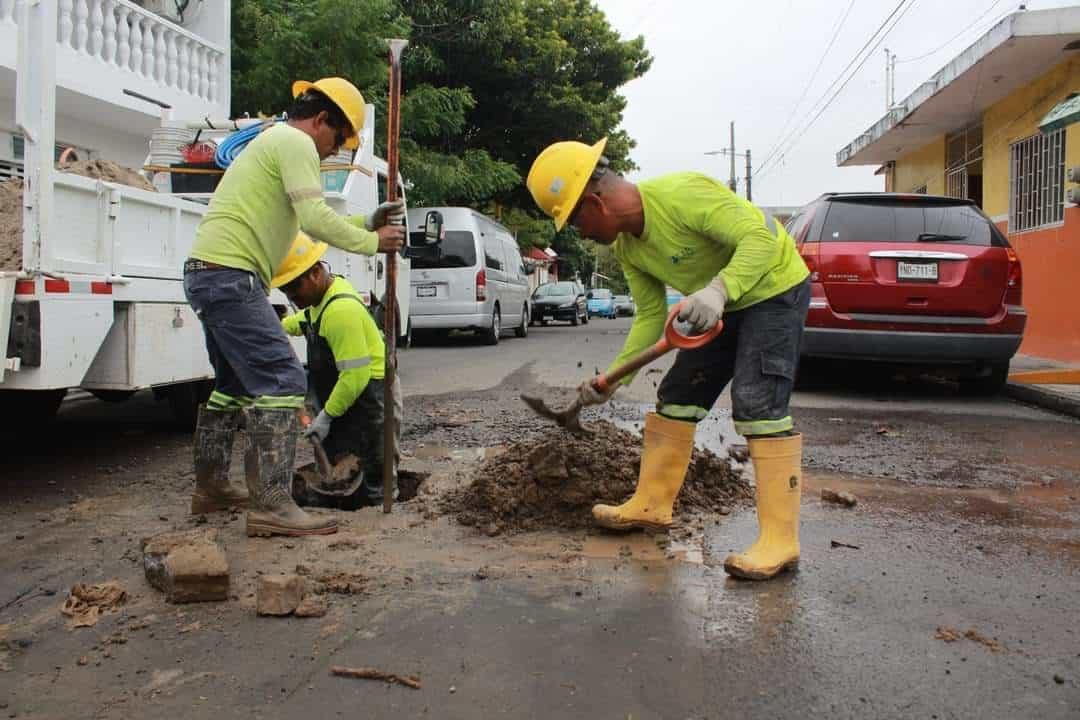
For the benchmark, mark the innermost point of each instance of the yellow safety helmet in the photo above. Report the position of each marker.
(304, 253)
(343, 94)
(559, 175)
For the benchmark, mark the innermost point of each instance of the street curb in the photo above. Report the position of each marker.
(1046, 399)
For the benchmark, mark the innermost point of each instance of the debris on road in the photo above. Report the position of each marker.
(87, 603)
(838, 497)
(187, 565)
(366, 673)
(838, 544)
(340, 583)
(947, 634)
(279, 594)
(312, 606)
(554, 481)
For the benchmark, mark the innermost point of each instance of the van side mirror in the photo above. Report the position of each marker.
(433, 228)
(588, 295)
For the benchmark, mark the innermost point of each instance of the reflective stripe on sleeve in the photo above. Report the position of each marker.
(354, 363)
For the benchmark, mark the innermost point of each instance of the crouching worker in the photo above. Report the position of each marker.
(346, 363)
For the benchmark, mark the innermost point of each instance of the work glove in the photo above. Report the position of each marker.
(588, 394)
(704, 308)
(388, 213)
(319, 427)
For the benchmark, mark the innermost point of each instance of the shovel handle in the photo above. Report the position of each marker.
(671, 338)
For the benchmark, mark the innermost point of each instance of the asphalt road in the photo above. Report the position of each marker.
(959, 599)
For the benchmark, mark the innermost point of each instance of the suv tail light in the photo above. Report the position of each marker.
(481, 285)
(1014, 283)
(809, 252)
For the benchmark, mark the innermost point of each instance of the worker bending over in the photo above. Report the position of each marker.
(733, 261)
(272, 190)
(346, 364)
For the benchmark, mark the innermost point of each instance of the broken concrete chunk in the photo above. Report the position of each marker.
(312, 606)
(840, 498)
(188, 566)
(279, 594)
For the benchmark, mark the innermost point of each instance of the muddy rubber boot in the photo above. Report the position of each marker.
(268, 467)
(214, 435)
(664, 459)
(778, 475)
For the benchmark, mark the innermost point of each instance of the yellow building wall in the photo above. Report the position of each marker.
(925, 166)
(1017, 117)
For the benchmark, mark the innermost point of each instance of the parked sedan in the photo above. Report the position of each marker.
(601, 303)
(914, 279)
(564, 301)
(624, 305)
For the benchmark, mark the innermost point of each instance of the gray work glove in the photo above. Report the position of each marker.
(704, 308)
(388, 213)
(320, 426)
(588, 394)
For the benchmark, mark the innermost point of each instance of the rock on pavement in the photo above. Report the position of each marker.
(188, 565)
(279, 594)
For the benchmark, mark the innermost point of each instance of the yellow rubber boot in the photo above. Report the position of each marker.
(664, 459)
(778, 474)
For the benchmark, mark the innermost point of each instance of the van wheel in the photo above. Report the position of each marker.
(406, 340)
(491, 335)
(184, 401)
(585, 318)
(523, 331)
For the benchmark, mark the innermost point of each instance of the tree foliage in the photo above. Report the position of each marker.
(488, 84)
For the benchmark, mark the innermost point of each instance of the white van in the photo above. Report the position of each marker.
(476, 281)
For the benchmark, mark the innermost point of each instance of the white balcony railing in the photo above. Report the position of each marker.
(121, 34)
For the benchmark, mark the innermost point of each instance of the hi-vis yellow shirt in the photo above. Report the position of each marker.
(271, 190)
(696, 230)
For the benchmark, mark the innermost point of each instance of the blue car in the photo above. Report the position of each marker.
(602, 303)
(674, 297)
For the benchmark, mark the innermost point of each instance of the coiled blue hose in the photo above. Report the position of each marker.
(230, 147)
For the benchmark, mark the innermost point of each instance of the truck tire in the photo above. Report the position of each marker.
(494, 331)
(184, 401)
(576, 320)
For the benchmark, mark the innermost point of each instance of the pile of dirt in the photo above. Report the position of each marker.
(11, 205)
(555, 481)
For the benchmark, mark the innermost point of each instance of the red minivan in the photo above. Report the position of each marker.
(912, 279)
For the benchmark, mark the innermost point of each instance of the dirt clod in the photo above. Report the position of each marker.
(87, 603)
(553, 482)
(187, 565)
(340, 583)
(279, 594)
(838, 497)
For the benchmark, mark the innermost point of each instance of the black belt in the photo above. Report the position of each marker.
(191, 265)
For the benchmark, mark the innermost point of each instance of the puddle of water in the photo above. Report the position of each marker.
(449, 454)
(640, 547)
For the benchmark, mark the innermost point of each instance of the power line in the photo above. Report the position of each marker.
(905, 5)
(945, 44)
(813, 75)
(775, 149)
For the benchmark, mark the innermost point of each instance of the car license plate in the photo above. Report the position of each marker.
(425, 291)
(917, 271)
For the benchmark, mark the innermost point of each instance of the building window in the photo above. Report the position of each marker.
(1037, 181)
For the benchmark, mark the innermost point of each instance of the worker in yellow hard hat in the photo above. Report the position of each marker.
(690, 232)
(271, 190)
(346, 367)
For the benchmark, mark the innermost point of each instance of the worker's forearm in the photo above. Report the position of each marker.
(349, 385)
(319, 220)
(645, 331)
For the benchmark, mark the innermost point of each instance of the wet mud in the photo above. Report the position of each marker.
(553, 482)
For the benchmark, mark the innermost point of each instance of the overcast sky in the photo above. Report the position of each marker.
(751, 60)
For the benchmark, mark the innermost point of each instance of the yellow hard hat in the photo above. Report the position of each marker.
(304, 253)
(559, 175)
(343, 94)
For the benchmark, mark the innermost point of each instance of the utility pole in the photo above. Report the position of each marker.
(731, 148)
(749, 168)
(749, 175)
(888, 79)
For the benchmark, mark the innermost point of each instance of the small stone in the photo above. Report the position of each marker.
(1059, 680)
(279, 594)
(312, 606)
(840, 498)
(83, 660)
(188, 566)
(453, 689)
(19, 537)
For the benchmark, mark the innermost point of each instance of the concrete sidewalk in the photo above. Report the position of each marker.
(1063, 399)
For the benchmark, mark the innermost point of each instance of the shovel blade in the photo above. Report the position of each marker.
(568, 418)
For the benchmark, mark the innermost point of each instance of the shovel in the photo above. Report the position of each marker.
(570, 417)
(322, 462)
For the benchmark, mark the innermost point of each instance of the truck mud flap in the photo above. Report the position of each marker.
(24, 333)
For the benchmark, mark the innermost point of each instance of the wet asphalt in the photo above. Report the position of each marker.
(953, 592)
